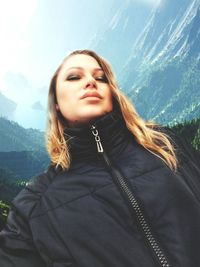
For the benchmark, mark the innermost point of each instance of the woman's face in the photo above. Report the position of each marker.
(82, 90)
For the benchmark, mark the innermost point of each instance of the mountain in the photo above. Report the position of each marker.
(24, 164)
(7, 107)
(9, 188)
(162, 74)
(172, 30)
(155, 53)
(37, 106)
(30, 111)
(9, 185)
(168, 93)
(190, 131)
(22, 151)
(119, 33)
(14, 137)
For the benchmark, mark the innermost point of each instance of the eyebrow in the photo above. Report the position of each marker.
(95, 69)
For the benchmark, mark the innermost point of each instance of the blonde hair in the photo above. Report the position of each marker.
(145, 132)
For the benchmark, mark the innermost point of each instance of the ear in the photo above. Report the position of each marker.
(57, 107)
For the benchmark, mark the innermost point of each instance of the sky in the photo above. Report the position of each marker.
(35, 37)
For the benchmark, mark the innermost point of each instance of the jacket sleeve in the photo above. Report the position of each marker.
(16, 245)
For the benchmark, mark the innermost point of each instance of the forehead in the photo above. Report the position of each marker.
(83, 61)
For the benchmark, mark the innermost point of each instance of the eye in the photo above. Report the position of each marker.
(73, 77)
(102, 78)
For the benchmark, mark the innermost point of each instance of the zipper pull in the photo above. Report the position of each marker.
(97, 139)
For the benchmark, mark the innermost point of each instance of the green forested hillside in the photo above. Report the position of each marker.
(25, 163)
(168, 92)
(14, 137)
(190, 131)
(22, 151)
(10, 185)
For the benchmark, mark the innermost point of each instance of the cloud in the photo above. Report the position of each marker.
(148, 2)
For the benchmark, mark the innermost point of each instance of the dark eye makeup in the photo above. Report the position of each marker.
(76, 77)
(72, 77)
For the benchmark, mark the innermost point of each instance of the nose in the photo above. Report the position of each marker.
(91, 82)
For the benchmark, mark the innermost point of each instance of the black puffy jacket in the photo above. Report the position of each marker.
(117, 206)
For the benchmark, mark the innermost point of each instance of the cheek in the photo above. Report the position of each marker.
(67, 96)
(67, 104)
(109, 97)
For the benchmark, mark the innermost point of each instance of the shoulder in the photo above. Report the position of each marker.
(40, 183)
(34, 190)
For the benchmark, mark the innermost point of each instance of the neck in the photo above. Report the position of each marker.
(112, 132)
(85, 122)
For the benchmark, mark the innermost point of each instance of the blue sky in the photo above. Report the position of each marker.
(36, 36)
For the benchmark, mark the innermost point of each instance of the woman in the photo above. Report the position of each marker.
(116, 194)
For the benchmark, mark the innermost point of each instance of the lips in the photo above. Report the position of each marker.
(91, 94)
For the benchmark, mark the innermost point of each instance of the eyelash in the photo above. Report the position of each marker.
(74, 78)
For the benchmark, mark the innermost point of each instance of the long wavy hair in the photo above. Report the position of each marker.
(146, 133)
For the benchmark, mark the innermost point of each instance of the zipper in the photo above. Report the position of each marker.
(123, 183)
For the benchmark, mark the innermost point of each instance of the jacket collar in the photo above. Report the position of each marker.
(112, 131)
